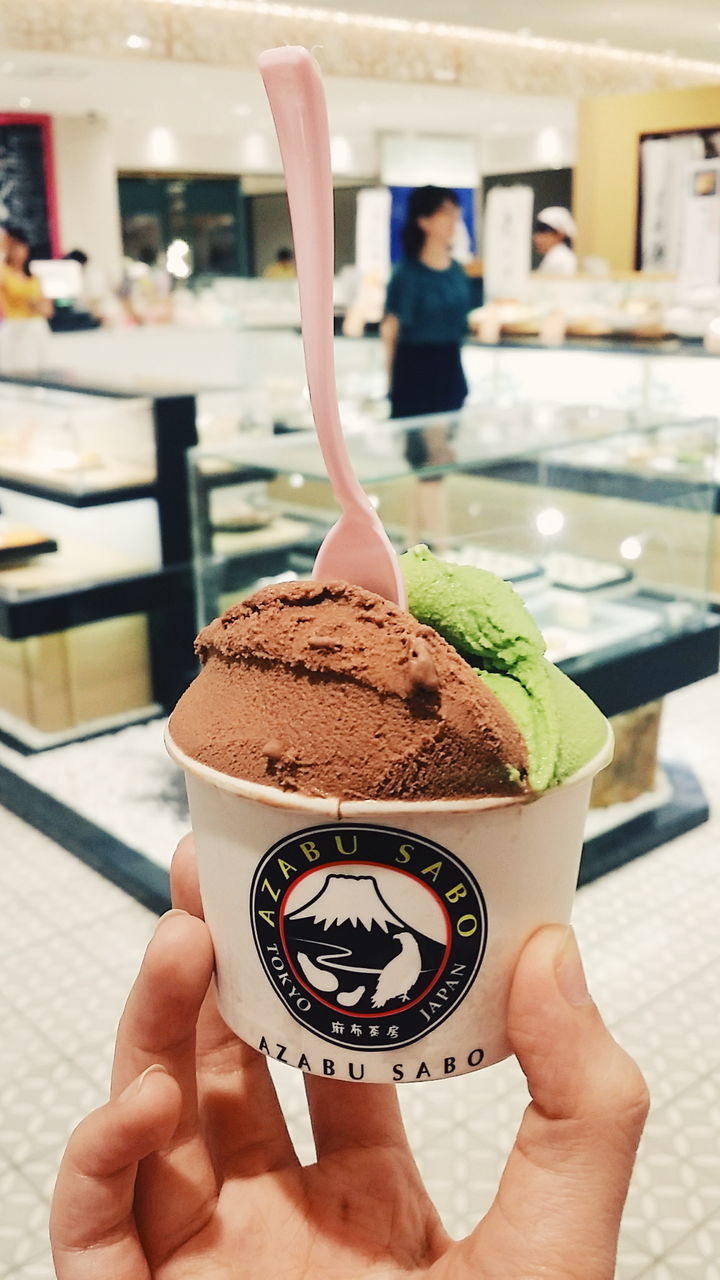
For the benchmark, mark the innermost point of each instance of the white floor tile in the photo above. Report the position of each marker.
(39, 1268)
(696, 1257)
(23, 1220)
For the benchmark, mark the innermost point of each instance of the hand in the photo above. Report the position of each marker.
(189, 1170)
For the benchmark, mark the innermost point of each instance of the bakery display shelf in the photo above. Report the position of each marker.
(653, 663)
(21, 551)
(682, 809)
(27, 738)
(607, 482)
(615, 344)
(635, 485)
(77, 498)
(40, 613)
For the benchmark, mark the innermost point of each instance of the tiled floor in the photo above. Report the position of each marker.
(70, 945)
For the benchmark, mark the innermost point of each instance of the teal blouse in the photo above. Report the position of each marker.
(431, 305)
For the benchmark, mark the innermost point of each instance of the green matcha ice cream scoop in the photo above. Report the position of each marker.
(487, 622)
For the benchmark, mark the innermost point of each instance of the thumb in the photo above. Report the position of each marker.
(565, 1183)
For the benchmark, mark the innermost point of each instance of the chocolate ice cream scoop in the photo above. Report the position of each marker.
(329, 690)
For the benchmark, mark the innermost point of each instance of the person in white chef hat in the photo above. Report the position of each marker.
(553, 234)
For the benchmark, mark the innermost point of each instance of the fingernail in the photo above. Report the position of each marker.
(136, 1085)
(175, 912)
(569, 972)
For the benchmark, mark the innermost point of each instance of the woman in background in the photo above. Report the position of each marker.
(24, 330)
(426, 308)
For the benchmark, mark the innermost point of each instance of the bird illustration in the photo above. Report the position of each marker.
(400, 974)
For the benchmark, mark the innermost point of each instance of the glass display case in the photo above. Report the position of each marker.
(94, 552)
(595, 502)
(69, 443)
(601, 518)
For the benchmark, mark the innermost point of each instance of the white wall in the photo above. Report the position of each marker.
(159, 147)
(87, 191)
(510, 153)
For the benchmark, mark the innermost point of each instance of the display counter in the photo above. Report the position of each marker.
(616, 571)
(95, 592)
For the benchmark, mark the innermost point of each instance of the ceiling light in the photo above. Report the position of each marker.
(24, 103)
(340, 154)
(549, 146)
(161, 146)
(137, 42)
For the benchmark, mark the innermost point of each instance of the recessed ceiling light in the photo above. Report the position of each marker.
(137, 42)
(25, 103)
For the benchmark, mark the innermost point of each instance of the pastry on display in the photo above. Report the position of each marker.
(20, 542)
(581, 573)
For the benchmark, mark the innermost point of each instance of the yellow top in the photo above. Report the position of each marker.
(17, 292)
(279, 271)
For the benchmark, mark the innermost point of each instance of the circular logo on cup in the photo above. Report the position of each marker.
(370, 936)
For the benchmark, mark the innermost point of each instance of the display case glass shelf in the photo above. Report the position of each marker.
(619, 569)
(75, 446)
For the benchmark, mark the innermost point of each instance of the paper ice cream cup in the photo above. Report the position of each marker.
(376, 940)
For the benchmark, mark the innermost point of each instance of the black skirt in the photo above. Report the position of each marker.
(427, 378)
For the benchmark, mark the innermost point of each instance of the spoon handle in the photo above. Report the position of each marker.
(297, 101)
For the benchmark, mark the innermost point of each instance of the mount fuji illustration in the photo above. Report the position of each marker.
(355, 951)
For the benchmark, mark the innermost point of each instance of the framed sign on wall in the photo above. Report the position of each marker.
(27, 181)
(665, 160)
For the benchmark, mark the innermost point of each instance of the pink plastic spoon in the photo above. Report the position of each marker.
(357, 548)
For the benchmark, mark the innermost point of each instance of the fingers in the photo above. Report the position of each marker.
(241, 1119)
(91, 1223)
(346, 1117)
(566, 1180)
(184, 885)
(176, 1187)
(158, 1023)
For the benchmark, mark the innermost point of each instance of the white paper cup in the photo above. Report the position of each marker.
(376, 940)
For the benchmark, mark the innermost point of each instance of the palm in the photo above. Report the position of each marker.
(346, 1216)
(229, 1198)
(189, 1172)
